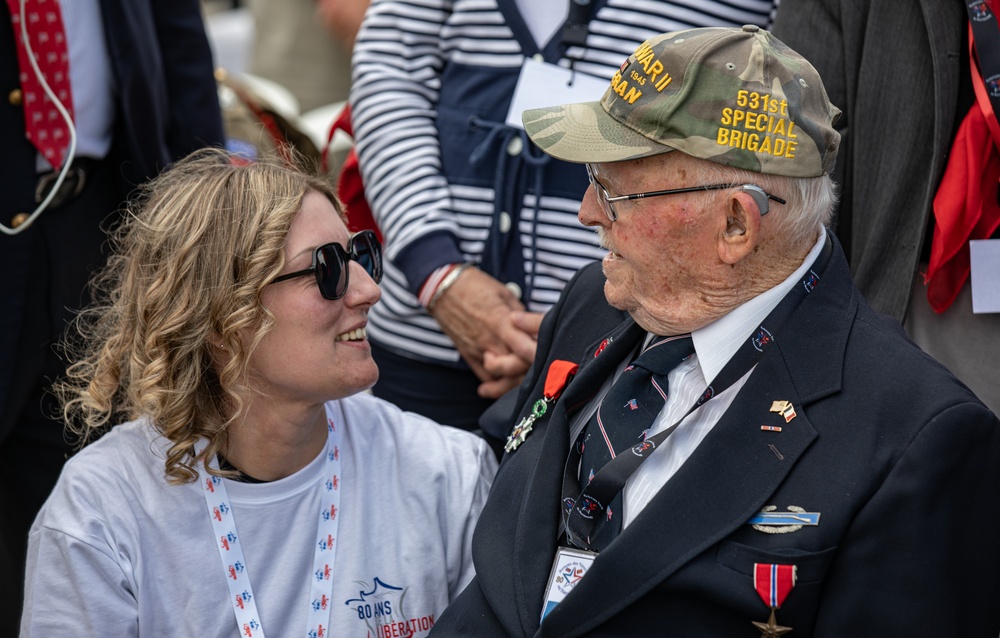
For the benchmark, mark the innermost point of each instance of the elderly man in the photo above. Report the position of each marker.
(719, 437)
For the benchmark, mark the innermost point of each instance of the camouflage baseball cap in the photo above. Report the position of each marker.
(738, 97)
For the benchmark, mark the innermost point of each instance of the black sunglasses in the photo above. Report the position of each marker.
(330, 263)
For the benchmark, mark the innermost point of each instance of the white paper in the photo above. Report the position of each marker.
(985, 254)
(542, 84)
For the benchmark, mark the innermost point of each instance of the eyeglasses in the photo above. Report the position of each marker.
(608, 202)
(330, 264)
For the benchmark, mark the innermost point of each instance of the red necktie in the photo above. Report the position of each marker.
(44, 127)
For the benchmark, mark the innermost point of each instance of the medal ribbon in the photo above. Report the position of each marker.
(556, 379)
(234, 564)
(774, 582)
(584, 512)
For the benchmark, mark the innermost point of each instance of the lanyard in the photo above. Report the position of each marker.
(584, 511)
(234, 565)
(984, 57)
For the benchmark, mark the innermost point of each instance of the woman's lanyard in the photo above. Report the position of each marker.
(234, 565)
(583, 511)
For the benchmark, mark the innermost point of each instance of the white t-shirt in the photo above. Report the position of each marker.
(116, 551)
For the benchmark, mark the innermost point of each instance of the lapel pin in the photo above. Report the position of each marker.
(771, 428)
(770, 521)
(600, 348)
(785, 409)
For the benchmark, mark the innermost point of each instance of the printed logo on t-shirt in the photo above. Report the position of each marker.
(382, 608)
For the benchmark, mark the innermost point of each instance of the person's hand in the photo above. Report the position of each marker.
(474, 312)
(519, 331)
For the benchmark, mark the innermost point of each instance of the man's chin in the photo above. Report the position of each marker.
(616, 297)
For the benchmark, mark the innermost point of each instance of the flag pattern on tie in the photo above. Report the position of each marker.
(625, 415)
(44, 127)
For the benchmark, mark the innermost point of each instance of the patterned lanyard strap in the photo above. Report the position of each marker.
(584, 512)
(234, 564)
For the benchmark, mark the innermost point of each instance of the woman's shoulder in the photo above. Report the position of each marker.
(99, 484)
(124, 447)
(374, 422)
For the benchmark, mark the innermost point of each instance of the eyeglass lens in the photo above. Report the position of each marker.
(602, 195)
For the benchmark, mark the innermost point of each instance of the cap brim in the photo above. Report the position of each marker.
(584, 133)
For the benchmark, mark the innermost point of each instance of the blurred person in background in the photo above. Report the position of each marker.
(305, 46)
(919, 165)
(135, 79)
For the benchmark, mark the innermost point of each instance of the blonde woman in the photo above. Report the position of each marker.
(253, 487)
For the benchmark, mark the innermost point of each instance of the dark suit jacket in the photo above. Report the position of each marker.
(166, 105)
(901, 461)
(894, 68)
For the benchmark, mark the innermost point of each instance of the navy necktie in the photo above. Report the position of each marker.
(625, 414)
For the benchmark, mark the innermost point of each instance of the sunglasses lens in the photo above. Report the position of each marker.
(368, 253)
(332, 263)
(331, 272)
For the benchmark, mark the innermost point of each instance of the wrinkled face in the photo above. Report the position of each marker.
(317, 349)
(662, 251)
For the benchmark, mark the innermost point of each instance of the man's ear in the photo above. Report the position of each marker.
(742, 228)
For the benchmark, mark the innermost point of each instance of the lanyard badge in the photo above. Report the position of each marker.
(558, 376)
(234, 564)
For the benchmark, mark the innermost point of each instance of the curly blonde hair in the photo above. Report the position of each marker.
(188, 266)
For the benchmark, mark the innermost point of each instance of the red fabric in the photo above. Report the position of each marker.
(350, 188)
(965, 206)
(44, 127)
(558, 376)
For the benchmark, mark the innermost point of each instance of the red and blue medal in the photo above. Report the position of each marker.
(773, 584)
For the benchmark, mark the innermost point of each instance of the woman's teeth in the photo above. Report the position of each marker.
(358, 334)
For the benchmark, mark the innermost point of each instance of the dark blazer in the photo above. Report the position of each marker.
(167, 106)
(894, 68)
(901, 461)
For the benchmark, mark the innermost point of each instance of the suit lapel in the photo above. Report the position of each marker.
(598, 361)
(539, 523)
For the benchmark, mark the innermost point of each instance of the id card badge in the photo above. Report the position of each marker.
(542, 84)
(568, 569)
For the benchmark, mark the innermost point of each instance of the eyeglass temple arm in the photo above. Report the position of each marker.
(695, 189)
(690, 189)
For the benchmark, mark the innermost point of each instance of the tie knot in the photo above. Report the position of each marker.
(663, 354)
